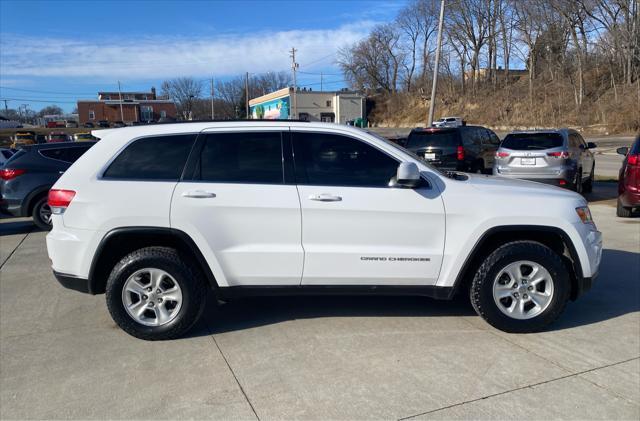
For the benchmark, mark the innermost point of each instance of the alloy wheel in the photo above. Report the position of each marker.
(152, 297)
(523, 289)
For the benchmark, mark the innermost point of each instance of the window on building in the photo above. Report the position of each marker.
(333, 160)
(92, 115)
(152, 158)
(163, 114)
(107, 97)
(251, 157)
(329, 103)
(146, 113)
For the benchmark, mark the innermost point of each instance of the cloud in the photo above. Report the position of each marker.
(165, 56)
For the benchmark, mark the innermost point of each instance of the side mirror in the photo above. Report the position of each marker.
(591, 145)
(623, 150)
(408, 175)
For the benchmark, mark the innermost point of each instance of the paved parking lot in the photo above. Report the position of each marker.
(61, 356)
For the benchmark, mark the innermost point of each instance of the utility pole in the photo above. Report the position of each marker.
(294, 68)
(320, 81)
(120, 94)
(6, 107)
(436, 66)
(213, 113)
(246, 90)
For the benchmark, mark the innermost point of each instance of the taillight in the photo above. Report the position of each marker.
(502, 154)
(460, 153)
(59, 200)
(10, 173)
(633, 160)
(562, 155)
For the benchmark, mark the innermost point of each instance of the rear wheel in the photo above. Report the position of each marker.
(577, 181)
(587, 187)
(153, 295)
(523, 286)
(622, 211)
(42, 214)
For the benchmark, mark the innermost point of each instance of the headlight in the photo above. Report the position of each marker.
(585, 215)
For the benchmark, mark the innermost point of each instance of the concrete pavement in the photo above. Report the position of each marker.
(61, 356)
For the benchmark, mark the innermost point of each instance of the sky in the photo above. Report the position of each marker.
(55, 52)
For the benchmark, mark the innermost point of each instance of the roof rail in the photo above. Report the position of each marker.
(225, 121)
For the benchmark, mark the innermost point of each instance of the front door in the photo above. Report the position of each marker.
(238, 209)
(357, 230)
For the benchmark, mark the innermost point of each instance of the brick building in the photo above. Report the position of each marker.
(136, 107)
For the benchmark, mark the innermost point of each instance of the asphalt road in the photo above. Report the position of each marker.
(61, 356)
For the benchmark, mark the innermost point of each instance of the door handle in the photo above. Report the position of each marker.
(325, 197)
(198, 194)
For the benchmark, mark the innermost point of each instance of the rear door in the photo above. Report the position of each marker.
(586, 156)
(356, 229)
(235, 204)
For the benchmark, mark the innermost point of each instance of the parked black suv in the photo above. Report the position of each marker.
(25, 179)
(464, 148)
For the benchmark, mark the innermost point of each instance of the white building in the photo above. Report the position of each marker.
(333, 107)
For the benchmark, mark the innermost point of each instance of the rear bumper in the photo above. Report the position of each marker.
(630, 198)
(73, 282)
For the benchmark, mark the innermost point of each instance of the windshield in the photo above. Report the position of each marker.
(24, 136)
(438, 138)
(532, 141)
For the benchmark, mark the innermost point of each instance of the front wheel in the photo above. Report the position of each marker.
(152, 294)
(521, 287)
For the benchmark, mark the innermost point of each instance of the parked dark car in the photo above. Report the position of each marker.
(464, 148)
(103, 123)
(629, 180)
(88, 125)
(119, 124)
(25, 179)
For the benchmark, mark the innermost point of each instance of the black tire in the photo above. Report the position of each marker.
(576, 186)
(587, 187)
(39, 209)
(623, 212)
(482, 286)
(191, 283)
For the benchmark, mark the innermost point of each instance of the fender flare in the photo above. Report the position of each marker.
(181, 237)
(577, 266)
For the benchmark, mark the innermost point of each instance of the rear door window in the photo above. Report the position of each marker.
(152, 158)
(434, 138)
(249, 157)
(532, 141)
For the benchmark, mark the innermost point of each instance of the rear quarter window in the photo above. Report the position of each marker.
(152, 158)
(532, 141)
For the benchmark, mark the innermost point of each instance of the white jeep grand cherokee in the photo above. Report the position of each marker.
(155, 215)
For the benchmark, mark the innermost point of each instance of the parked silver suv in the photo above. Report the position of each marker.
(560, 157)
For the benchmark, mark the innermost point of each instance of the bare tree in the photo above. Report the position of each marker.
(183, 91)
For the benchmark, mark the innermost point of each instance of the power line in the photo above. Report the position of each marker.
(319, 60)
(45, 92)
(55, 101)
(319, 74)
